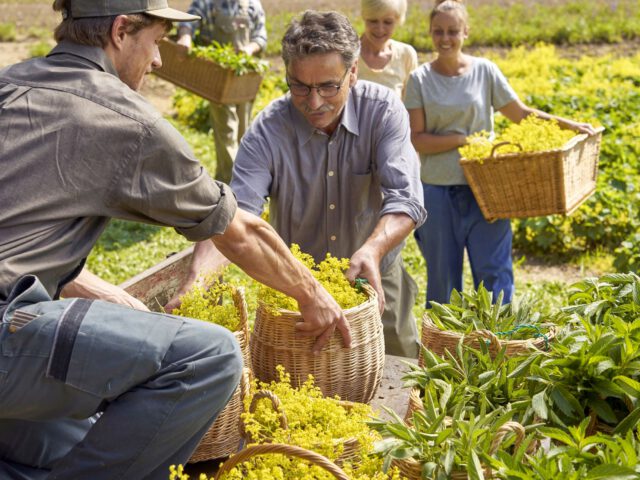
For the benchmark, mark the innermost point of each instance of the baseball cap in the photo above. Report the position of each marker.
(107, 8)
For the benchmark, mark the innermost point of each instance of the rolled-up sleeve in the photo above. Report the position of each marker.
(163, 183)
(399, 166)
(258, 24)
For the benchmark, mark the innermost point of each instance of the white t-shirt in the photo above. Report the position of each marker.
(462, 104)
(395, 74)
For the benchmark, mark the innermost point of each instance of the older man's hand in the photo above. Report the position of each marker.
(365, 263)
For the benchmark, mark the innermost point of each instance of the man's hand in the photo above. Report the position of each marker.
(322, 316)
(365, 263)
(206, 263)
(88, 285)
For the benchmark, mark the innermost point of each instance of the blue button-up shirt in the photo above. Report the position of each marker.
(328, 192)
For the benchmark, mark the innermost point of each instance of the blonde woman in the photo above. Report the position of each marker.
(382, 59)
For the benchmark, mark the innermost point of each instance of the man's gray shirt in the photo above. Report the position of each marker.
(78, 147)
(328, 192)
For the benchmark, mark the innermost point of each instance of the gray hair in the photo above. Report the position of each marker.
(372, 8)
(319, 33)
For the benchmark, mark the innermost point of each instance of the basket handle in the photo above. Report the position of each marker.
(503, 431)
(291, 450)
(502, 144)
(487, 336)
(240, 303)
(275, 402)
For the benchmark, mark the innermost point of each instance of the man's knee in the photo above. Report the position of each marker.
(213, 350)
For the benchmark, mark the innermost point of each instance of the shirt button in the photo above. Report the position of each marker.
(333, 238)
(332, 206)
(331, 173)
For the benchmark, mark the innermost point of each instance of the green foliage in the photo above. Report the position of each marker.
(7, 32)
(227, 57)
(443, 444)
(575, 454)
(474, 310)
(39, 49)
(605, 299)
(594, 370)
(474, 378)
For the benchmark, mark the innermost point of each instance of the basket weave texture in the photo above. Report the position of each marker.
(354, 374)
(289, 450)
(530, 184)
(204, 77)
(351, 446)
(438, 340)
(412, 469)
(223, 437)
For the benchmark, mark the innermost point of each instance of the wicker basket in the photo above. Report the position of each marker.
(350, 445)
(438, 340)
(354, 374)
(223, 437)
(412, 469)
(530, 184)
(278, 448)
(204, 77)
(415, 404)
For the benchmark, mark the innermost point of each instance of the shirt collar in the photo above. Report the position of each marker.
(304, 130)
(96, 55)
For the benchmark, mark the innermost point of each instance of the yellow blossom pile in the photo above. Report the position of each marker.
(213, 304)
(330, 273)
(532, 134)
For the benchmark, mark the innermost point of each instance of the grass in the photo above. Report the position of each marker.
(7, 32)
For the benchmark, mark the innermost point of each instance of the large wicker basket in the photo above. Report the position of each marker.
(530, 184)
(223, 437)
(412, 469)
(354, 374)
(350, 446)
(204, 77)
(438, 340)
(278, 448)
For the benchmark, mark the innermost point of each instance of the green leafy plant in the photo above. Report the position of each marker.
(474, 310)
(474, 378)
(611, 295)
(7, 32)
(442, 443)
(574, 454)
(593, 371)
(227, 57)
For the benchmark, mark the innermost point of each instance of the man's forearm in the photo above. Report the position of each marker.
(253, 245)
(389, 232)
(89, 285)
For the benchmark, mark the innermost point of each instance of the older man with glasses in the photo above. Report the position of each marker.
(335, 158)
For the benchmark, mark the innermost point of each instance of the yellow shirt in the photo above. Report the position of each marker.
(395, 74)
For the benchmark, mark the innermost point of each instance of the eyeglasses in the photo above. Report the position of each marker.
(325, 91)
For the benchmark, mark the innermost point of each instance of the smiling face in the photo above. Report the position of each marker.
(378, 30)
(448, 32)
(317, 71)
(140, 55)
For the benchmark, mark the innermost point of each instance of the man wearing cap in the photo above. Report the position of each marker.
(95, 389)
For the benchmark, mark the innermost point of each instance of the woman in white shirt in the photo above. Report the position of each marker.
(382, 59)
